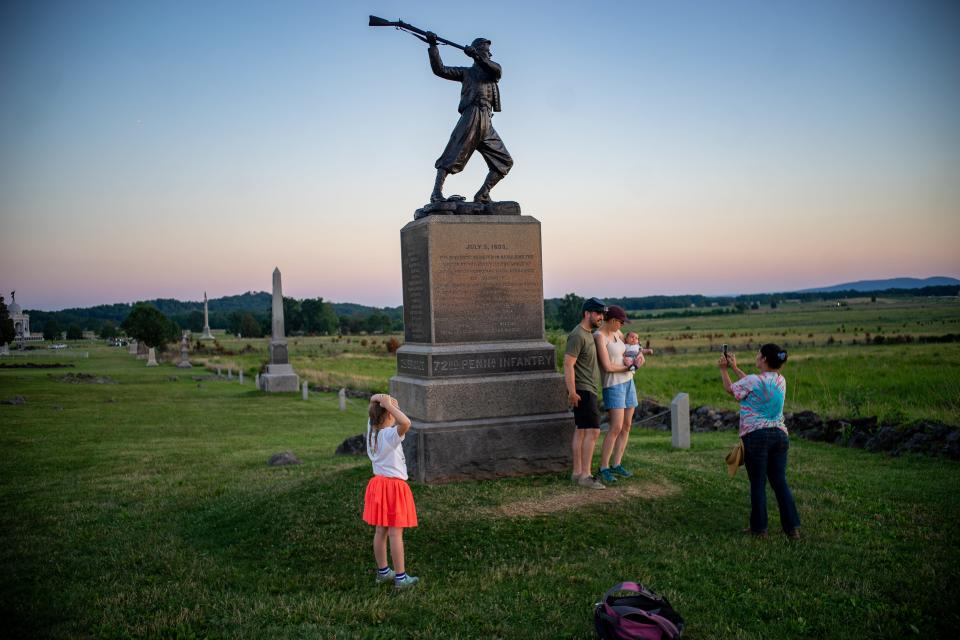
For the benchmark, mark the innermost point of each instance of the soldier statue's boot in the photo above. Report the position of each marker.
(437, 195)
(483, 196)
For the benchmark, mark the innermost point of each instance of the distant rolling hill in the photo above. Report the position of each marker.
(890, 283)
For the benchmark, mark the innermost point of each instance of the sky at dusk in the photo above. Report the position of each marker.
(163, 149)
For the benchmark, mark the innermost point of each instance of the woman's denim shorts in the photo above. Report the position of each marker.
(620, 396)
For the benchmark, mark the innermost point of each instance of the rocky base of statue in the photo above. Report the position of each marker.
(184, 364)
(279, 378)
(206, 335)
(452, 207)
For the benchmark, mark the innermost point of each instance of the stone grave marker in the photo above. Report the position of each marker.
(184, 355)
(680, 421)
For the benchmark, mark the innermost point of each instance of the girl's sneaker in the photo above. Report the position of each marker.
(386, 577)
(406, 582)
(607, 476)
(620, 471)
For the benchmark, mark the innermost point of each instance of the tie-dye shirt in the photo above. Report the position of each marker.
(761, 401)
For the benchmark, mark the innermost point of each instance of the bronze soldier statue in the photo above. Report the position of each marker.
(479, 99)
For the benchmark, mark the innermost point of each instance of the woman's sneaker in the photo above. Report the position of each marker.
(406, 582)
(607, 476)
(620, 471)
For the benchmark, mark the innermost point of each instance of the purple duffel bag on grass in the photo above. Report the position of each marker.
(642, 615)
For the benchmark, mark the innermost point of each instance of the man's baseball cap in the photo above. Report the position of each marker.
(479, 41)
(614, 312)
(594, 304)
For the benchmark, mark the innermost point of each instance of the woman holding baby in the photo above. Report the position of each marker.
(619, 393)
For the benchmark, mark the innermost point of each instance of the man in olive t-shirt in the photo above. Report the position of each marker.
(580, 373)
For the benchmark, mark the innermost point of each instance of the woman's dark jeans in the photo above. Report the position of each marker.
(765, 456)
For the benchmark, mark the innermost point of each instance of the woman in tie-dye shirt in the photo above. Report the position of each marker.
(764, 435)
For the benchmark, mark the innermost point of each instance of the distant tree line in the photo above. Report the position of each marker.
(248, 314)
(564, 313)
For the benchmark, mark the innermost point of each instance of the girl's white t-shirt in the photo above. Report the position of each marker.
(388, 459)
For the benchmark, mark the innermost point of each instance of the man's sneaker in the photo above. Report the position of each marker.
(590, 483)
(387, 577)
(620, 471)
(607, 476)
(406, 582)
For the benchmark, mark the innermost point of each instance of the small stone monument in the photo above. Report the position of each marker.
(133, 348)
(680, 421)
(142, 350)
(256, 381)
(305, 393)
(206, 335)
(279, 376)
(218, 372)
(184, 356)
(240, 375)
(152, 358)
(4, 349)
(229, 374)
(342, 396)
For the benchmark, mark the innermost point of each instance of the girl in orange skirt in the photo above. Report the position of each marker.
(388, 502)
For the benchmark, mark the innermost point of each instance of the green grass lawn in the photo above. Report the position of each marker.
(146, 508)
(896, 382)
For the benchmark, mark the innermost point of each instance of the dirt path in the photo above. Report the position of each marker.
(577, 497)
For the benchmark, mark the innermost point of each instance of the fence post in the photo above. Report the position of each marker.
(680, 421)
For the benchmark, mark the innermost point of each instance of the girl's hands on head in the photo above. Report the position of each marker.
(382, 399)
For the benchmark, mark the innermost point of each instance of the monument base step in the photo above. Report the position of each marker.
(488, 448)
(279, 383)
(471, 398)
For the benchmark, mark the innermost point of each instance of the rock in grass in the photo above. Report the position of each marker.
(282, 459)
(353, 446)
(14, 400)
(85, 378)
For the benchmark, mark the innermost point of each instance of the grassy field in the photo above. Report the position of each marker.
(831, 369)
(145, 508)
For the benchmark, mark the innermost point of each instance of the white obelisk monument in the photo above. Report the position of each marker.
(279, 376)
(206, 320)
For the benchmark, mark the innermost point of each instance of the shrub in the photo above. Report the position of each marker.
(392, 345)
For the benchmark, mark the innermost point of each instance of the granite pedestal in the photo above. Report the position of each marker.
(280, 377)
(475, 375)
